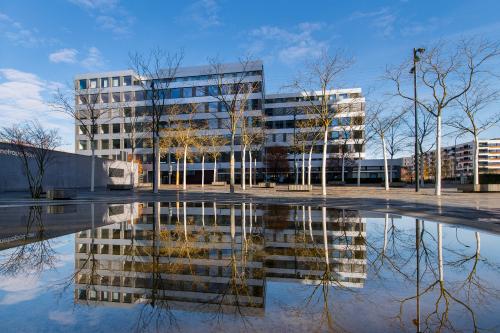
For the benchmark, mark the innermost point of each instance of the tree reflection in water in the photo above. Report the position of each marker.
(35, 254)
(217, 258)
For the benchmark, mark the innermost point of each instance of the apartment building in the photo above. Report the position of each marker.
(218, 256)
(125, 103)
(458, 160)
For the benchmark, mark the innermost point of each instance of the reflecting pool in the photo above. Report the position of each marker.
(208, 266)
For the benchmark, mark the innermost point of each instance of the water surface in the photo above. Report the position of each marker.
(241, 267)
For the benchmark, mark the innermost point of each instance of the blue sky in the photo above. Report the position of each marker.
(43, 44)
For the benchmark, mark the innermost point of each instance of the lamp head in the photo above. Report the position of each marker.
(420, 50)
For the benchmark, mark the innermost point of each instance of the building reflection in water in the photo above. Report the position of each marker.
(216, 257)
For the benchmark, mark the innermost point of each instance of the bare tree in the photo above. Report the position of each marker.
(380, 125)
(233, 93)
(135, 133)
(215, 142)
(185, 135)
(251, 135)
(473, 119)
(396, 142)
(323, 73)
(426, 127)
(156, 72)
(88, 114)
(34, 146)
(447, 72)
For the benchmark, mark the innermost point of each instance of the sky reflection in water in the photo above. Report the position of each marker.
(212, 266)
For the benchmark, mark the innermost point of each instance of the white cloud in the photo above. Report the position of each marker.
(109, 15)
(382, 20)
(20, 35)
(204, 13)
(290, 46)
(118, 27)
(25, 96)
(64, 55)
(93, 60)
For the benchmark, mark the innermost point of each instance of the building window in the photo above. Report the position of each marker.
(335, 135)
(104, 129)
(127, 80)
(284, 137)
(213, 90)
(127, 96)
(83, 84)
(175, 93)
(213, 107)
(116, 144)
(93, 83)
(200, 91)
(212, 123)
(104, 82)
(140, 95)
(116, 82)
(105, 98)
(127, 144)
(82, 145)
(116, 128)
(105, 144)
(116, 97)
(127, 112)
(187, 92)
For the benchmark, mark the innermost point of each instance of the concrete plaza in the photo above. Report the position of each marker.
(478, 210)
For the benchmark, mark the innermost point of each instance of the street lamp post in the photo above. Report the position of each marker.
(416, 59)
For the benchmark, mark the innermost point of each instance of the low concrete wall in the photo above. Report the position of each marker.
(65, 170)
(479, 188)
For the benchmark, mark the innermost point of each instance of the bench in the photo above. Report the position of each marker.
(299, 188)
(60, 193)
(120, 187)
(219, 183)
(395, 184)
(266, 185)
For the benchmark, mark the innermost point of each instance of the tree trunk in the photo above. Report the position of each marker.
(359, 170)
(323, 164)
(231, 165)
(243, 167)
(177, 173)
(156, 169)
(184, 166)
(476, 160)
(215, 169)
(303, 168)
(438, 156)
(203, 170)
(309, 166)
(386, 173)
(92, 168)
(343, 168)
(250, 169)
(440, 251)
(390, 169)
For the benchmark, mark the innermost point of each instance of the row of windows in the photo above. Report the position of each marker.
(341, 121)
(173, 93)
(118, 81)
(203, 77)
(332, 97)
(104, 82)
(334, 108)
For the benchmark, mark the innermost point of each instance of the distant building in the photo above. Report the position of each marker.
(458, 160)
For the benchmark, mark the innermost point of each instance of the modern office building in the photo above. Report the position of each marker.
(124, 103)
